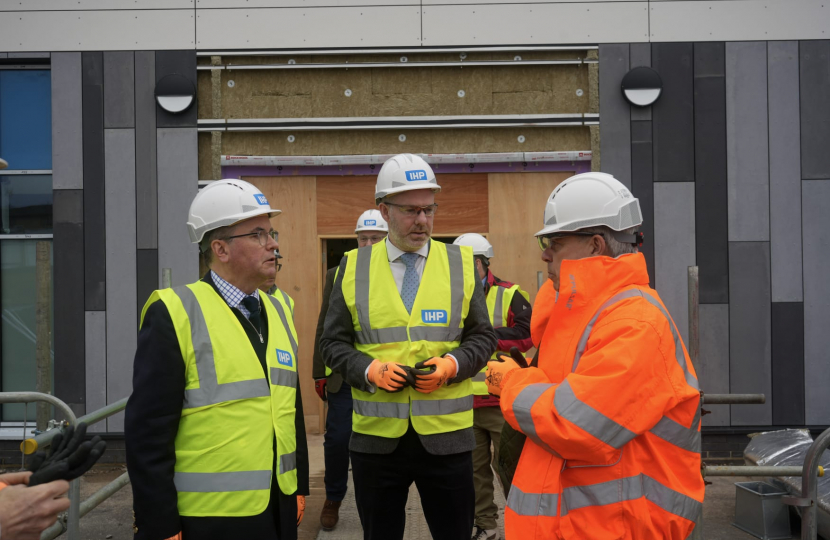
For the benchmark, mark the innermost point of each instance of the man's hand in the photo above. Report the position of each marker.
(388, 375)
(300, 509)
(444, 370)
(25, 512)
(320, 388)
(503, 364)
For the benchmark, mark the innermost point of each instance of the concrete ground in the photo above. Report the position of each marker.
(112, 520)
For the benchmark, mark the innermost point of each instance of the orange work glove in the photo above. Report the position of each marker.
(503, 364)
(387, 375)
(300, 509)
(177, 537)
(443, 371)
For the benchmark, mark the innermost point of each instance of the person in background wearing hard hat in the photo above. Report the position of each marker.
(407, 327)
(509, 309)
(612, 412)
(371, 229)
(214, 429)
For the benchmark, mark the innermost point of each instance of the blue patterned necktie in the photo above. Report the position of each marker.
(411, 280)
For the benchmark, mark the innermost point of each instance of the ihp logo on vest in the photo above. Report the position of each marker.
(368, 222)
(433, 316)
(260, 198)
(284, 358)
(414, 176)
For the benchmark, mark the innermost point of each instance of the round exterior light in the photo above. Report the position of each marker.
(642, 86)
(175, 93)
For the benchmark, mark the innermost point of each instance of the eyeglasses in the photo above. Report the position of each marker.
(547, 240)
(413, 211)
(374, 239)
(261, 235)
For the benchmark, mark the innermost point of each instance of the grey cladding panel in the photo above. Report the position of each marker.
(784, 172)
(121, 264)
(182, 63)
(815, 196)
(145, 147)
(713, 365)
(815, 109)
(94, 246)
(67, 122)
(147, 277)
(747, 142)
(788, 363)
(674, 247)
(642, 186)
(750, 348)
(96, 364)
(673, 113)
(119, 90)
(615, 128)
(710, 172)
(640, 56)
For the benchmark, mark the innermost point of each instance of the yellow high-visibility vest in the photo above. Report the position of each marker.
(231, 412)
(384, 330)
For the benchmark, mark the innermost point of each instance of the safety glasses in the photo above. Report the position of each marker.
(547, 240)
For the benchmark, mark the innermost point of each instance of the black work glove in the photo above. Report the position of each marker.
(69, 456)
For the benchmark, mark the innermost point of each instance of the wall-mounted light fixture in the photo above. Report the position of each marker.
(642, 86)
(175, 93)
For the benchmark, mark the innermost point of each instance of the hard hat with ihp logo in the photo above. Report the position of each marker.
(479, 244)
(404, 172)
(592, 199)
(225, 202)
(371, 220)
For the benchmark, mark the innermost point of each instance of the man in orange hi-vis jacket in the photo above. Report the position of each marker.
(612, 412)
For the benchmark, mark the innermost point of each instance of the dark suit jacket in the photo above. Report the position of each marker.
(478, 342)
(318, 370)
(152, 422)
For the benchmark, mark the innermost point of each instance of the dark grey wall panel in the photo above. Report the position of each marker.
(121, 266)
(94, 247)
(640, 56)
(145, 148)
(713, 365)
(710, 172)
(784, 171)
(815, 197)
(642, 185)
(746, 141)
(119, 90)
(615, 128)
(815, 109)
(674, 247)
(183, 63)
(750, 347)
(147, 277)
(673, 114)
(68, 278)
(788, 363)
(96, 364)
(67, 123)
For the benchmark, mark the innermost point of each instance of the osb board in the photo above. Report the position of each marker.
(205, 171)
(462, 203)
(295, 196)
(425, 141)
(204, 93)
(517, 203)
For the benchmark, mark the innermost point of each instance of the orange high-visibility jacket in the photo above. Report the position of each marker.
(611, 414)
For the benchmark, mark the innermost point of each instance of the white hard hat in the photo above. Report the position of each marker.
(371, 220)
(225, 202)
(591, 199)
(404, 172)
(3, 164)
(479, 244)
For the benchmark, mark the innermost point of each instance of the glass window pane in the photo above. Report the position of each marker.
(18, 295)
(26, 118)
(26, 204)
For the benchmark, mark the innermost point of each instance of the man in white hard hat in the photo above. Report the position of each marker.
(371, 228)
(407, 327)
(612, 409)
(509, 309)
(214, 428)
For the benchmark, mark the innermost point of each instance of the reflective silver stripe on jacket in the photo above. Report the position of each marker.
(198, 482)
(679, 435)
(521, 409)
(583, 341)
(576, 411)
(436, 407)
(498, 320)
(381, 409)
(398, 334)
(479, 377)
(284, 377)
(287, 302)
(210, 392)
(630, 489)
(288, 462)
(284, 320)
(532, 504)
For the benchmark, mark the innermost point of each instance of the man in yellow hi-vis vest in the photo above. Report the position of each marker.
(510, 312)
(214, 429)
(407, 327)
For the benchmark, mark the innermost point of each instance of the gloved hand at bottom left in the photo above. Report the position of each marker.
(69, 456)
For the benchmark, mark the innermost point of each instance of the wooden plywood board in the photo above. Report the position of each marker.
(341, 200)
(516, 204)
(205, 156)
(296, 196)
(463, 204)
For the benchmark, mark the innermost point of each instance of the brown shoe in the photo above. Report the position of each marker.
(329, 516)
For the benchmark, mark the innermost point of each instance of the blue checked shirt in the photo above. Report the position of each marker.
(232, 295)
